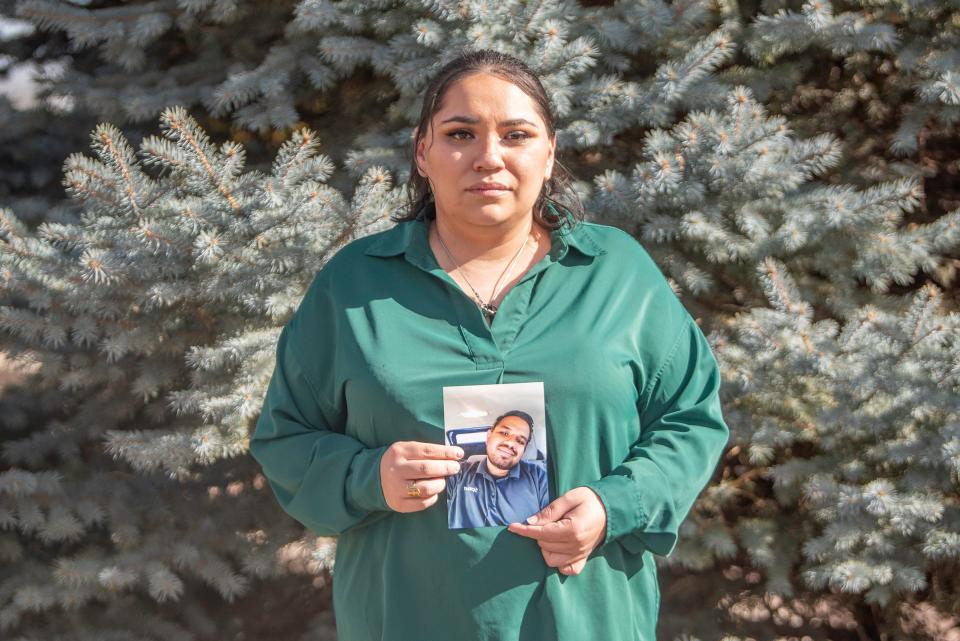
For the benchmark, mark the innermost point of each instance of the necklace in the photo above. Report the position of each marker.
(488, 308)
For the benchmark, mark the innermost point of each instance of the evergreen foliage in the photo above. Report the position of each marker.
(862, 451)
(724, 190)
(892, 48)
(33, 145)
(153, 321)
(790, 171)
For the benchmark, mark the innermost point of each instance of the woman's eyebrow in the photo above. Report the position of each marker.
(503, 123)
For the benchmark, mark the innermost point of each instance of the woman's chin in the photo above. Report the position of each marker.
(487, 214)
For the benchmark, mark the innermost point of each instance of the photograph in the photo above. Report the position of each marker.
(503, 476)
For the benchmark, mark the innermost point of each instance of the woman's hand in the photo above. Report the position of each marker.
(424, 466)
(568, 529)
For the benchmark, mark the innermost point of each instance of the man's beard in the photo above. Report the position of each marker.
(506, 465)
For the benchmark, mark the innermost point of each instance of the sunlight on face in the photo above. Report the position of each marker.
(486, 131)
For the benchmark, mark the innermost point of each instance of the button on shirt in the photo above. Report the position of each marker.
(476, 498)
(631, 412)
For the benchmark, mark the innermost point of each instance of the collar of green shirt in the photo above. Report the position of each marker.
(410, 238)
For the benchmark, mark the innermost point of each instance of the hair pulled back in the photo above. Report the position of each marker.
(547, 209)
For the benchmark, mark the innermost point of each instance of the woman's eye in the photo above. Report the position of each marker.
(513, 136)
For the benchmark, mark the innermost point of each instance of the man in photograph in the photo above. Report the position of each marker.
(500, 487)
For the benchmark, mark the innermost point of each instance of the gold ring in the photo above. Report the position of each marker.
(413, 490)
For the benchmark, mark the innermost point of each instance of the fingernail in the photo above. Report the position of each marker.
(459, 453)
(532, 520)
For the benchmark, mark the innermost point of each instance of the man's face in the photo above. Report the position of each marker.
(507, 441)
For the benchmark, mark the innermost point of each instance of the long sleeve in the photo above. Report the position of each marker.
(682, 437)
(325, 479)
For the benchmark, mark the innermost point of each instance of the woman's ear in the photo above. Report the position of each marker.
(418, 152)
(550, 157)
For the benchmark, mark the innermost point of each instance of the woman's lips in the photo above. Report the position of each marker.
(494, 192)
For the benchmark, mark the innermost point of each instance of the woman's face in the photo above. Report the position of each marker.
(486, 131)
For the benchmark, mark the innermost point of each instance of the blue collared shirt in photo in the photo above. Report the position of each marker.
(478, 499)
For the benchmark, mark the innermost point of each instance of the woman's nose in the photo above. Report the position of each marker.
(489, 154)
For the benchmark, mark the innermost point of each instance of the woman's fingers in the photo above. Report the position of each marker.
(564, 561)
(568, 565)
(426, 469)
(415, 505)
(573, 568)
(425, 487)
(420, 451)
(426, 463)
(415, 450)
(552, 559)
(562, 547)
(568, 529)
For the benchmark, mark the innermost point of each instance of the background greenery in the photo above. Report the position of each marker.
(791, 166)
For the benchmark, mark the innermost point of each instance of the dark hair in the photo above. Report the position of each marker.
(518, 413)
(547, 210)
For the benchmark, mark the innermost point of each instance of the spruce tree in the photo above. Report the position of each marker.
(808, 243)
(152, 321)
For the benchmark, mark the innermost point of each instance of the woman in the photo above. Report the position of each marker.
(490, 280)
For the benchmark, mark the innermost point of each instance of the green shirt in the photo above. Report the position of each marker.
(632, 411)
